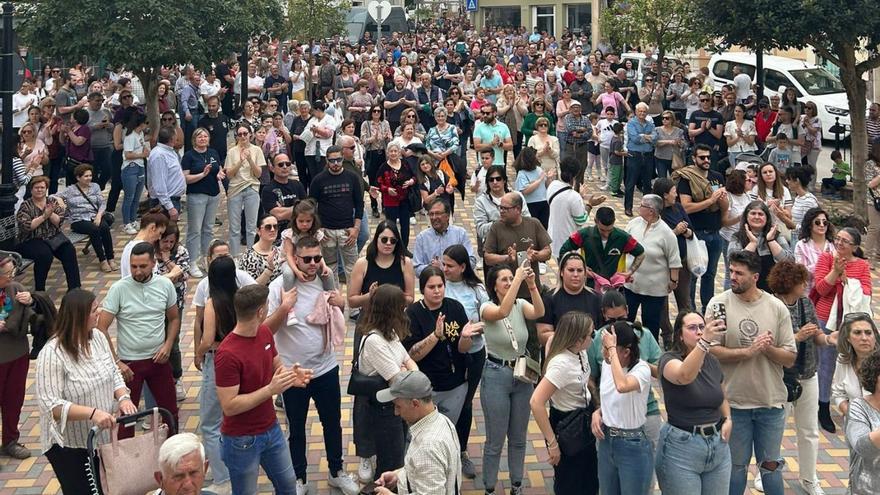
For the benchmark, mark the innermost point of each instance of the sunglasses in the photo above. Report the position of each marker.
(666, 117)
(270, 226)
(496, 178)
(649, 80)
(820, 222)
(167, 119)
(311, 259)
(334, 160)
(704, 99)
(282, 164)
(125, 96)
(388, 240)
(376, 111)
(703, 157)
(542, 125)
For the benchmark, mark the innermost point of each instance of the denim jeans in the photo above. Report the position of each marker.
(707, 281)
(211, 415)
(724, 245)
(626, 465)
(103, 165)
(325, 391)
(201, 209)
(245, 454)
(133, 179)
(689, 463)
(662, 167)
(827, 365)
(364, 234)
(248, 201)
(638, 171)
(761, 429)
(508, 398)
(115, 179)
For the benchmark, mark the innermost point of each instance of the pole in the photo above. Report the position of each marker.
(379, 30)
(7, 189)
(243, 70)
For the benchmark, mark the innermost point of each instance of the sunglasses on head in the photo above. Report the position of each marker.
(311, 259)
(388, 240)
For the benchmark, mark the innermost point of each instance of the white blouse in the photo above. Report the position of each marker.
(61, 381)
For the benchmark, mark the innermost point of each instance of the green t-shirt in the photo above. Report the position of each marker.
(649, 352)
(840, 170)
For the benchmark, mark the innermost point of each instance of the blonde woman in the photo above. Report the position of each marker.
(545, 144)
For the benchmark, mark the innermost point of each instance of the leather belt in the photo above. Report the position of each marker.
(706, 430)
(501, 362)
(624, 432)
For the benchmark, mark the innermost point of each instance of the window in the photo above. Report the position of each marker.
(773, 79)
(502, 16)
(818, 81)
(579, 17)
(544, 17)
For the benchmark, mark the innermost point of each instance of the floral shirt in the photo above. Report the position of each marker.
(871, 171)
(26, 214)
(181, 259)
(255, 263)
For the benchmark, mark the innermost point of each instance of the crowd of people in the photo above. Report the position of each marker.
(548, 121)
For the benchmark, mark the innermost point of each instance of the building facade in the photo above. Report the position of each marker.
(552, 17)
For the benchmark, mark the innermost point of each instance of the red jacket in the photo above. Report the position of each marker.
(857, 268)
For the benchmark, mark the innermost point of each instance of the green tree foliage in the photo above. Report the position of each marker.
(668, 25)
(316, 19)
(847, 34)
(146, 34)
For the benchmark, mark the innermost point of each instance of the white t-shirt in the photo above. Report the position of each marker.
(302, 342)
(569, 375)
(567, 214)
(748, 129)
(625, 411)
(738, 203)
(605, 132)
(743, 84)
(133, 143)
(242, 278)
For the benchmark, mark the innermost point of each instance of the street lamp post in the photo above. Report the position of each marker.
(7, 189)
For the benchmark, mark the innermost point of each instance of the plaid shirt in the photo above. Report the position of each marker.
(572, 122)
(433, 460)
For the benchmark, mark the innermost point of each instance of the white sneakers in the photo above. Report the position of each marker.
(194, 271)
(344, 482)
(812, 487)
(365, 469)
(181, 392)
(130, 228)
(301, 488)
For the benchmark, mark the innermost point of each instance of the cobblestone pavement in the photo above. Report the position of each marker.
(34, 475)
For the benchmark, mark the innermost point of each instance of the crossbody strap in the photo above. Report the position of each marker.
(507, 326)
(86, 198)
(566, 188)
(355, 358)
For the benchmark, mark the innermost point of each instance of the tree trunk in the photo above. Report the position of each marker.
(855, 94)
(150, 83)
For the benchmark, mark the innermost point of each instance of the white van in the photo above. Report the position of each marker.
(810, 82)
(637, 58)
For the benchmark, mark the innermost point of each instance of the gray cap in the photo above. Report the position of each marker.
(406, 385)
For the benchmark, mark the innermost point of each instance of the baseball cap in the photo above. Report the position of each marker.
(575, 102)
(406, 385)
(488, 68)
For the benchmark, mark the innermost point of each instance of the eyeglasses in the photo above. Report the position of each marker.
(270, 226)
(282, 164)
(243, 134)
(168, 119)
(819, 222)
(695, 327)
(334, 160)
(506, 208)
(844, 240)
(311, 259)
(27, 132)
(496, 178)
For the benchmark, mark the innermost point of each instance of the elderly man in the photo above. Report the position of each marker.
(872, 124)
(354, 163)
(340, 199)
(640, 163)
(579, 132)
(182, 468)
(167, 183)
(432, 463)
(430, 98)
(430, 243)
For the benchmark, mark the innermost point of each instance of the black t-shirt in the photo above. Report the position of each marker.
(340, 198)
(715, 119)
(443, 365)
(557, 303)
(193, 162)
(218, 127)
(298, 126)
(699, 402)
(277, 194)
(703, 220)
(222, 70)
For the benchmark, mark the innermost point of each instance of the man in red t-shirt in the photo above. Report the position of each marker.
(248, 374)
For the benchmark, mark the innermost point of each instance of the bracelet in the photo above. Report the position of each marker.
(609, 347)
(94, 410)
(701, 344)
(550, 445)
(123, 397)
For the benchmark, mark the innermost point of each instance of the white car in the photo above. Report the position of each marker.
(810, 82)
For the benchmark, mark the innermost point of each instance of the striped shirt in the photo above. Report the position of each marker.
(61, 381)
(872, 129)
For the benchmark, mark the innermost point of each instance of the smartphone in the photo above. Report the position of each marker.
(521, 257)
(719, 312)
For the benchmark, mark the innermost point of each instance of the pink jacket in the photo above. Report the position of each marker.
(331, 319)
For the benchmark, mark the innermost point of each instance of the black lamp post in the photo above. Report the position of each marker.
(7, 189)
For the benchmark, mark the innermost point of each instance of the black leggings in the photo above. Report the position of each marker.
(39, 251)
(374, 159)
(99, 236)
(71, 468)
(115, 180)
(474, 372)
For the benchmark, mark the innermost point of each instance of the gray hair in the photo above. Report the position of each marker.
(306, 104)
(654, 201)
(440, 111)
(392, 145)
(642, 106)
(177, 447)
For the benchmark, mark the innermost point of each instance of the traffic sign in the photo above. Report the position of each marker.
(472, 5)
(379, 11)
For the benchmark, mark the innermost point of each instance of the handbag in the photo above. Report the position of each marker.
(573, 431)
(56, 241)
(790, 376)
(127, 466)
(359, 383)
(677, 160)
(525, 369)
(875, 199)
(414, 199)
(108, 217)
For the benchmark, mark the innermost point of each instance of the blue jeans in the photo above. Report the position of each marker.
(662, 166)
(638, 171)
(626, 465)
(724, 245)
(508, 398)
(827, 364)
(244, 455)
(760, 429)
(211, 415)
(364, 234)
(133, 179)
(201, 209)
(689, 463)
(707, 281)
(249, 202)
(103, 165)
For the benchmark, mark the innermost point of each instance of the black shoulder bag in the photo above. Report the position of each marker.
(790, 375)
(108, 217)
(573, 431)
(359, 383)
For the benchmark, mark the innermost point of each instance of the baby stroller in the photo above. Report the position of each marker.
(743, 160)
(126, 467)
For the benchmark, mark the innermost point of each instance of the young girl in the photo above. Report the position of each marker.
(305, 223)
(593, 160)
(433, 183)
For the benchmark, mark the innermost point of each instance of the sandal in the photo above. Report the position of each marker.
(105, 267)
